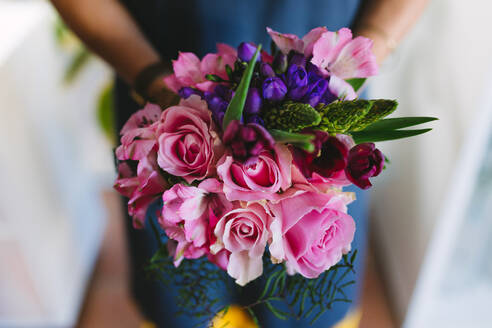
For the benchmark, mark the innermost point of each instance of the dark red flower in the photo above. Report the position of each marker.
(329, 156)
(364, 161)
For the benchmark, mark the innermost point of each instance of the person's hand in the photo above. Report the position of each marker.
(383, 45)
(160, 94)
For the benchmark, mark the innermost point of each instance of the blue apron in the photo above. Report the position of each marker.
(196, 26)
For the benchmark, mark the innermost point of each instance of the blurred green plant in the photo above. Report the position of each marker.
(80, 57)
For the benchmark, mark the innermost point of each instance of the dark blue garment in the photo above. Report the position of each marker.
(197, 25)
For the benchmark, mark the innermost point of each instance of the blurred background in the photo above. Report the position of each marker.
(62, 246)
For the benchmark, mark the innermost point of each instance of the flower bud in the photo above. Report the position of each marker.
(280, 63)
(246, 51)
(266, 70)
(274, 89)
(316, 91)
(296, 77)
(297, 59)
(364, 161)
(256, 119)
(253, 102)
(186, 92)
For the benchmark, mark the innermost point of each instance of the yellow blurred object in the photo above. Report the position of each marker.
(147, 324)
(234, 318)
(351, 321)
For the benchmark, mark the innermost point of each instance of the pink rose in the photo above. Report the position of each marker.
(244, 233)
(138, 134)
(311, 231)
(257, 178)
(189, 217)
(188, 143)
(189, 71)
(142, 189)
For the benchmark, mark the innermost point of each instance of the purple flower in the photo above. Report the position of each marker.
(224, 92)
(246, 51)
(316, 92)
(255, 119)
(364, 161)
(297, 59)
(296, 76)
(274, 89)
(247, 140)
(186, 92)
(266, 70)
(253, 102)
(280, 63)
(217, 106)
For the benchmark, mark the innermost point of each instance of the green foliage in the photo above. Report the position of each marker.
(340, 116)
(356, 83)
(105, 112)
(77, 63)
(375, 136)
(398, 123)
(301, 140)
(291, 117)
(235, 109)
(286, 296)
(379, 108)
(389, 129)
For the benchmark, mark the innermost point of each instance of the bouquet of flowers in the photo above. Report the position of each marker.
(248, 170)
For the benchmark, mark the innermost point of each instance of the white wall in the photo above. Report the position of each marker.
(441, 69)
(53, 163)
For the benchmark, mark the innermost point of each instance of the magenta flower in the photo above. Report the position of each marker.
(257, 178)
(247, 140)
(364, 161)
(138, 134)
(311, 231)
(336, 53)
(289, 42)
(188, 142)
(142, 189)
(189, 216)
(189, 71)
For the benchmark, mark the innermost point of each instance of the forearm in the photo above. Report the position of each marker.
(109, 30)
(387, 22)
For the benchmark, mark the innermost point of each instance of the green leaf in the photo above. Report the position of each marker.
(278, 313)
(356, 83)
(374, 136)
(79, 60)
(300, 140)
(254, 317)
(105, 112)
(379, 108)
(235, 109)
(398, 123)
(267, 285)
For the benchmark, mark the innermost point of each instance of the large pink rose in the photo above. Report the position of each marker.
(142, 189)
(244, 233)
(189, 71)
(188, 143)
(257, 178)
(138, 134)
(189, 217)
(311, 231)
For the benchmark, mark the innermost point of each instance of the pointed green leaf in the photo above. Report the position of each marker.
(297, 139)
(374, 136)
(235, 109)
(398, 123)
(380, 108)
(356, 83)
